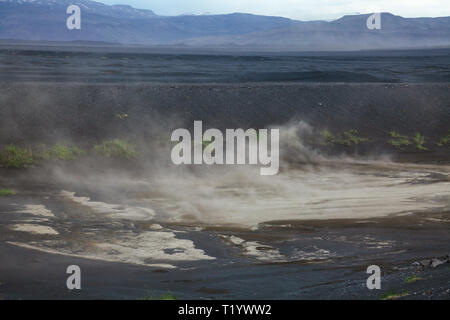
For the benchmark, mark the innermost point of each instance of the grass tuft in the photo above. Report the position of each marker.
(326, 138)
(419, 141)
(350, 138)
(413, 279)
(15, 157)
(61, 152)
(398, 140)
(116, 148)
(7, 192)
(164, 296)
(445, 141)
(392, 295)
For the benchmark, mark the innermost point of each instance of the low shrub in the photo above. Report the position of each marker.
(116, 148)
(398, 140)
(15, 157)
(61, 152)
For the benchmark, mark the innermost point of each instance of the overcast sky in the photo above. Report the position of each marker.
(295, 9)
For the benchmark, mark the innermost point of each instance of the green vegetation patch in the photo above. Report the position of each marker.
(419, 141)
(326, 138)
(164, 296)
(413, 279)
(350, 138)
(61, 152)
(122, 116)
(445, 141)
(398, 140)
(167, 296)
(7, 192)
(15, 157)
(116, 148)
(392, 295)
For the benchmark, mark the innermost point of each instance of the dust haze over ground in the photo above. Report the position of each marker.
(226, 232)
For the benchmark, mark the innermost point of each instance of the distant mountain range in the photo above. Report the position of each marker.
(40, 20)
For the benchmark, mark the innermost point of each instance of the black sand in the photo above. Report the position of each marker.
(46, 113)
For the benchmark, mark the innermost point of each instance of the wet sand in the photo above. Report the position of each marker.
(142, 228)
(125, 255)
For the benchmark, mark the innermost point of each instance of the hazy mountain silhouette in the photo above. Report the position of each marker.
(46, 20)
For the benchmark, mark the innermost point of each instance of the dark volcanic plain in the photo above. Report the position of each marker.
(141, 228)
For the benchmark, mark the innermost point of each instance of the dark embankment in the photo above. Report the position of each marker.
(48, 113)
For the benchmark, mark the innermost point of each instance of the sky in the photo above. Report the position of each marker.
(294, 9)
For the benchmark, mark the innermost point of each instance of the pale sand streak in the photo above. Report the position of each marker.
(112, 210)
(31, 247)
(36, 210)
(34, 229)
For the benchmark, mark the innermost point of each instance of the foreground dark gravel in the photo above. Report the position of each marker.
(33, 111)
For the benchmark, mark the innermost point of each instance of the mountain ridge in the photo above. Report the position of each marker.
(45, 20)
